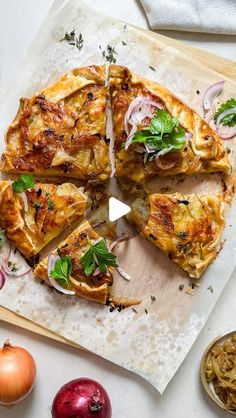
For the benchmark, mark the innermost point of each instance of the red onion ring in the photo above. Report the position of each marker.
(52, 259)
(211, 93)
(123, 273)
(5, 268)
(2, 279)
(117, 240)
(25, 201)
(160, 154)
(139, 109)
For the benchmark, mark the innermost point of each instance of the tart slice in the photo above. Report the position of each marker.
(61, 130)
(82, 265)
(157, 134)
(186, 228)
(32, 214)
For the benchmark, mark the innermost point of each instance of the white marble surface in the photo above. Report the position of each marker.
(131, 396)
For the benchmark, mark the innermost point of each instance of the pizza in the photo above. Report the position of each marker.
(61, 130)
(31, 219)
(186, 228)
(156, 134)
(87, 281)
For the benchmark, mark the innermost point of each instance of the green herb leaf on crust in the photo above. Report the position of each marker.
(24, 182)
(99, 256)
(229, 120)
(62, 270)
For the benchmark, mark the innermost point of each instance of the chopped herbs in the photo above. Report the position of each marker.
(163, 133)
(181, 287)
(183, 235)
(152, 68)
(109, 54)
(146, 311)
(74, 40)
(124, 43)
(12, 266)
(134, 310)
(24, 182)
(51, 205)
(62, 270)
(229, 120)
(99, 256)
(124, 27)
(210, 288)
(153, 298)
(36, 206)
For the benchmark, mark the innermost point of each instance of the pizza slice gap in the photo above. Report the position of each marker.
(61, 130)
(83, 265)
(157, 134)
(187, 228)
(32, 213)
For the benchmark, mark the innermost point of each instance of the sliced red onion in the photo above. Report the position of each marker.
(25, 201)
(4, 266)
(211, 93)
(117, 240)
(139, 109)
(188, 135)
(2, 279)
(96, 272)
(164, 151)
(139, 148)
(123, 273)
(52, 259)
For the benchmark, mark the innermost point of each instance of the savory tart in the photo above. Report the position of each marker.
(157, 134)
(61, 130)
(81, 265)
(32, 217)
(186, 228)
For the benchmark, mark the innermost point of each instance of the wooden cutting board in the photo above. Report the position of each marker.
(226, 67)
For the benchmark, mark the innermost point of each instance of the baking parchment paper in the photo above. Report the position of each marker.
(154, 341)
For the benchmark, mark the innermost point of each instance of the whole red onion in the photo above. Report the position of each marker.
(81, 398)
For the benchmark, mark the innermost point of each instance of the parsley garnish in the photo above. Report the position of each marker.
(62, 270)
(163, 132)
(229, 120)
(51, 205)
(24, 182)
(99, 256)
(72, 39)
(109, 54)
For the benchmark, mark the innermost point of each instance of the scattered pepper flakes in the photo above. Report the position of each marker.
(124, 43)
(153, 298)
(197, 91)
(134, 310)
(146, 311)
(210, 288)
(152, 68)
(181, 287)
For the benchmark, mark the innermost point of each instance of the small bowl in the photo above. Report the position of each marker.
(209, 389)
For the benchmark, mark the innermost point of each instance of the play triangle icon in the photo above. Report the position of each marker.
(117, 209)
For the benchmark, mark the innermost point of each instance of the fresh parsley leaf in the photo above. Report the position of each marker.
(99, 256)
(62, 270)
(162, 123)
(164, 132)
(51, 205)
(229, 120)
(24, 182)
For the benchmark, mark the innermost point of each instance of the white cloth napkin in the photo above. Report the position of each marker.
(215, 16)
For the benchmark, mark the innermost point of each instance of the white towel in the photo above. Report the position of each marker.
(215, 16)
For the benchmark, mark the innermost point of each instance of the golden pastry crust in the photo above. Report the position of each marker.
(50, 209)
(186, 228)
(97, 288)
(61, 130)
(203, 153)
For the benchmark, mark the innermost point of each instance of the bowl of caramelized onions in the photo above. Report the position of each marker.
(218, 371)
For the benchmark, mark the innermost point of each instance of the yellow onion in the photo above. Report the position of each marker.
(17, 374)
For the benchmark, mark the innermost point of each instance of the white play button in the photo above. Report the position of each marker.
(117, 209)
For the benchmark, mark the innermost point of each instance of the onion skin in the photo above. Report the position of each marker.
(17, 374)
(81, 398)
